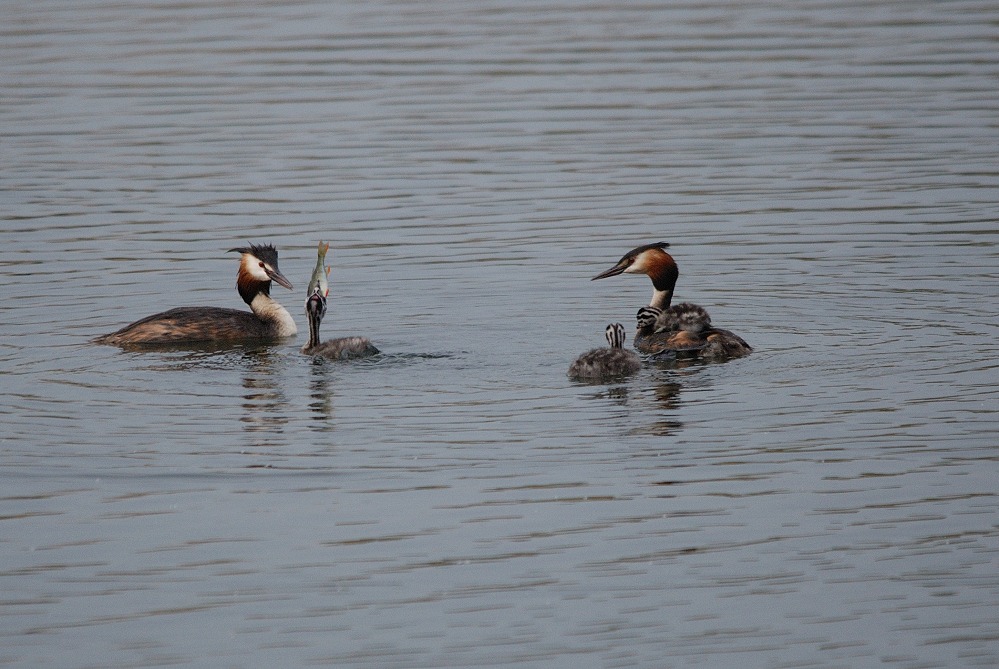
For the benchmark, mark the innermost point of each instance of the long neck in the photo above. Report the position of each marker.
(663, 282)
(272, 313)
(661, 298)
(257, 294)
(313, 330)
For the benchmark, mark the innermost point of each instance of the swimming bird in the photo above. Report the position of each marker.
(343, 348)
(687, 327)
(685, 330)
(606, 363)
(258, 267)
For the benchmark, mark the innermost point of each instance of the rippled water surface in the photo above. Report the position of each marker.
(826, 173)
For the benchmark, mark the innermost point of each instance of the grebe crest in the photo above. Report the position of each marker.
(602, 364)
(258, 267)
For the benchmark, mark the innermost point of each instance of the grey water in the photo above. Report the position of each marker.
(826, 172)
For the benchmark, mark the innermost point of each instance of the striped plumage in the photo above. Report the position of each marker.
(684, 327)
(602, 364)
(343, 348)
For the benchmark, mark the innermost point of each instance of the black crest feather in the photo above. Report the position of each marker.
(265, 252)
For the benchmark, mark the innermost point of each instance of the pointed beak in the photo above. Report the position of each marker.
(613, 271)
(278, 278)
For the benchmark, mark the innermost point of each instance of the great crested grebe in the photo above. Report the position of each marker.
(258, 267)
(343, 348)
(684, 327)
(605, 363)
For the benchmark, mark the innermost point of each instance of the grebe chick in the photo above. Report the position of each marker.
(606, 363)
(258, 267)
(653, 261)
(685, 328)
(343, 348)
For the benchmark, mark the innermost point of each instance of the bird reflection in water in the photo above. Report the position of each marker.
(266, 409)
(667, 396)
(321, 394)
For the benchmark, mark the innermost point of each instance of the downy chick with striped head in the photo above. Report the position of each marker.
(343, 348)
(684, 327)
(606, 363)
(685, 330)
(258, 267)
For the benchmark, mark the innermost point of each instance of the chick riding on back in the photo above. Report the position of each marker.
(684, 327)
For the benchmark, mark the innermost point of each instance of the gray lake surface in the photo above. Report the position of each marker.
(828, 176)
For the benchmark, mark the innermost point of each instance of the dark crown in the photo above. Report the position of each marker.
(647, 247)
(263, 252)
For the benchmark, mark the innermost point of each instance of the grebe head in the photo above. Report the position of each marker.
(650, 260)
(646, 319)
(315, 309)
(257, 268)
(315, 306)
(260, 263)
(655, 263)
(615, 335)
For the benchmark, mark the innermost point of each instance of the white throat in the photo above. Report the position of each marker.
(661, 299)
(269, 311)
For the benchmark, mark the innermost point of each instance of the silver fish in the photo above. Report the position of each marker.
(319, 279)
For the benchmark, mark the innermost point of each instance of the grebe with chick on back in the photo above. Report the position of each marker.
(606, 363)
(258, 267)
(684, 327)
(343, 348)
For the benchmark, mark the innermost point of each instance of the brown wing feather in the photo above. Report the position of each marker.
(190, 324)
(725, 344)
(343, 348)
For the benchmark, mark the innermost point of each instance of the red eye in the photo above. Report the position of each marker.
(261, 264)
